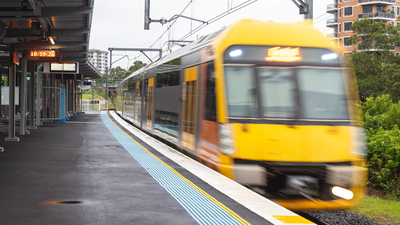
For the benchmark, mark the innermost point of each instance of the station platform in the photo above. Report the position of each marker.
(97, 169)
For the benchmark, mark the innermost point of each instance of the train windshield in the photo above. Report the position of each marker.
(241, 91)
(311, 93)
(322, 94)
(277, 92)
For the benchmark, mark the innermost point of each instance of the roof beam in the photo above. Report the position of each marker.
(33, 4)
(42, 12)
(65, 11)
(21, 33)
(69, 53)
(46, 45)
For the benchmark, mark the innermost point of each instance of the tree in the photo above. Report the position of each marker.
(137, 65)
(375, 63)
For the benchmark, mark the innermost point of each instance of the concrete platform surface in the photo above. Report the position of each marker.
(78, 173)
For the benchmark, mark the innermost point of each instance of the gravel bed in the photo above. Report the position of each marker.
(340, 217)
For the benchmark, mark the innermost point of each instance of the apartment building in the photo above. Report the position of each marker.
(345, 12)
(99, 59)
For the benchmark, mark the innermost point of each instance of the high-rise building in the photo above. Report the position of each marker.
(99, 59)
(345, 12)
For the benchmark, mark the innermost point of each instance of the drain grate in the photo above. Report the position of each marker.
(69, 202)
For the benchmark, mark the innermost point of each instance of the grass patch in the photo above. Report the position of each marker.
(89, 97)
(380, 210)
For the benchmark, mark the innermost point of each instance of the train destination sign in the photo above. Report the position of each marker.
(290, 55)
(43, 53)
(283, 54)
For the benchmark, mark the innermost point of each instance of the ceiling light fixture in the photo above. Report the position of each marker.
(51, 40)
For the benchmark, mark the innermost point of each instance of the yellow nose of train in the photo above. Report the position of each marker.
(267, 104)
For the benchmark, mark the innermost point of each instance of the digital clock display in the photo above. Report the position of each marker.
(43, 53)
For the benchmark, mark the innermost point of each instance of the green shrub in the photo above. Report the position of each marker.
(382, 122)
(380, 112)
(384, 160)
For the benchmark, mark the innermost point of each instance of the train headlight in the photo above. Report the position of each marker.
(226, 141)
(358, 141)
(342, 192)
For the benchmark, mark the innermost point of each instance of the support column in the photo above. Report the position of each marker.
(92, 95)
(22, 126)
(32, 98)
(52, 97)
(67, 96)
(74, 96)
(38, 93)
(309, 14)
(107, 80)
(11, 109)
(45, 101)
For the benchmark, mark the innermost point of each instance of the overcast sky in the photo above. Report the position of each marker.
(120, 23)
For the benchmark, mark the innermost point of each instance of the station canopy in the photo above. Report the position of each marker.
(60, 25)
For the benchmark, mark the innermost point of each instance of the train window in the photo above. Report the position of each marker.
(240, 91)
(167, 79)
(168, 73)
(211, 105)
(277, 90)
(166, 122)
(322, 94)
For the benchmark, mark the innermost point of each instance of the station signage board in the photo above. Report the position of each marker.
(64, 68)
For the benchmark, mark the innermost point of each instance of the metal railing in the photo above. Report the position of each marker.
(88, 106)
(373, 1)
(330, 21)
(50, 109)
(331, 6)
(332, 35)
(377, 15)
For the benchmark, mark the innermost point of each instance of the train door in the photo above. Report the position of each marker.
(144, 104)
(125, 99)
(138, 104)
(189, 109)
(208, 137)
(150, 96)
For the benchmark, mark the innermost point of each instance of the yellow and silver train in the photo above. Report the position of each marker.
(266, 104)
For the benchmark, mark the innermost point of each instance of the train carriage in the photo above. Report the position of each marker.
(266, 104)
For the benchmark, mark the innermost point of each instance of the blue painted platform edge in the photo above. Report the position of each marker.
(17, 121)
(199, 206)
(59, 121)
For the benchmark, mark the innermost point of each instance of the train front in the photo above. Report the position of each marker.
(287, 120)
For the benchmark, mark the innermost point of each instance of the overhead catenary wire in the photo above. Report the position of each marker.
(222, 15)
(216, 18)
(273, 9)
(212, 20)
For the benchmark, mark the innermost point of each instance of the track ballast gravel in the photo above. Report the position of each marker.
(340, 217)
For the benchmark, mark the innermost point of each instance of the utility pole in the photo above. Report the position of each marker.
(107, 84)
(148, 20)
(92, 94)
(305, 8)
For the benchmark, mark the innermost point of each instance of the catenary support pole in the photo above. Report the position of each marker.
(309, 14)
(108, 71)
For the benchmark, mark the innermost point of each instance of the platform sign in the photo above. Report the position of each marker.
(15, 58)
(64, 68)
